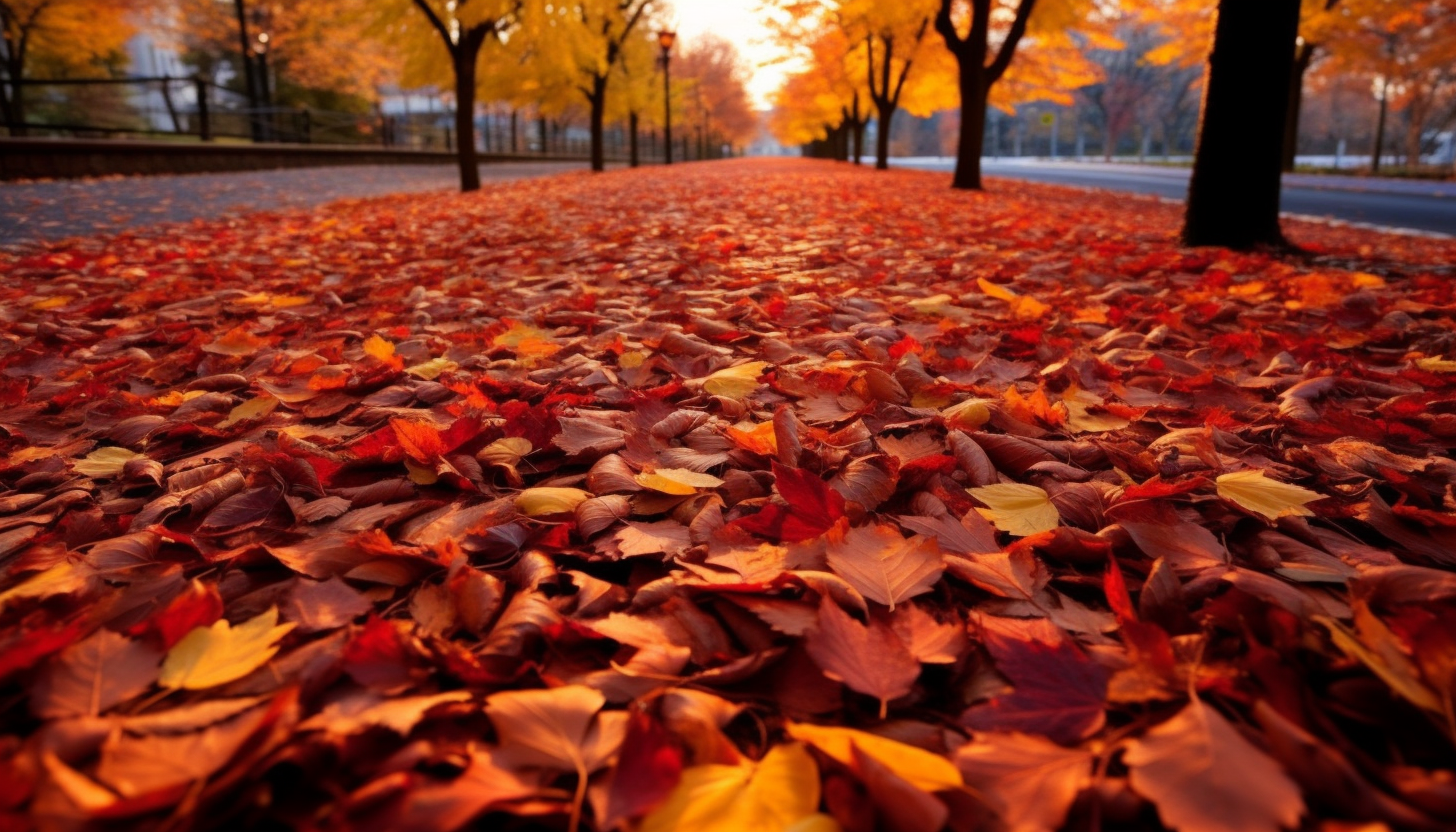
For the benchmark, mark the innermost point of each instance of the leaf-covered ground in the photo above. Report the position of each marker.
(743, 496)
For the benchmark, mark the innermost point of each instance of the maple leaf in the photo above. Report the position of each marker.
(776, 794)
(1055, 689)
(1256, 492)
(215, 655)
(1030, 782)
(883, 565)
(1019, 509)
(812, 507)
(1205, 777)
(869, 659)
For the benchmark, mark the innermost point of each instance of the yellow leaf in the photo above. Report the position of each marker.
(970, 414)
(1257, 493)
(1437, 365)
(54, 302)
(632, 360)
(377, 347)
(735, 382)
(1019, 509)
(507, 451)
(774, 794)
(1021, 305)
(250, 410)
(679, 481)
(936, 305)
(1365, 280)
(104, 463)
(420, 475)
(288, 301)
(432, 369)
(920, 768)
(535, 502)
(61, 579)
(212, 656)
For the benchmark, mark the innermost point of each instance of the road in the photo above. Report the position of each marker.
(1391, 203)
(38, 211)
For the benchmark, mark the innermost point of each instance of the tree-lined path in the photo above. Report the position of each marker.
(774, 495)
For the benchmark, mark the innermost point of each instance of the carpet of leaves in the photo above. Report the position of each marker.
(750, 496)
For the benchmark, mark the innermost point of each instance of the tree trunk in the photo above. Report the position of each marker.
(973, 129)
(859, 131)
(633, 158)
(465, 57)
(598, 100)
(1233, 196)
(541, 134)
(1380, 128)
(515, 131)
(882, 135)
(1303, 55)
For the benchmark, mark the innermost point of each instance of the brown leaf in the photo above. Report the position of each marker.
(870, 660)
(90, 677)
(883, 565)
(1205, 777)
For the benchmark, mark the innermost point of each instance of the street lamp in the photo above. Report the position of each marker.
(665, 40)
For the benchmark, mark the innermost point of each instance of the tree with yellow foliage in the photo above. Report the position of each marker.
(871, 55)
(420, 28)
(984, 36)
(896, 52)
(586, 38)
(64, 37)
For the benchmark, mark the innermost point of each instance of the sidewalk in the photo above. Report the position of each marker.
(32, 211)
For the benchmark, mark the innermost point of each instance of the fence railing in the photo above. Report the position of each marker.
(193, 109)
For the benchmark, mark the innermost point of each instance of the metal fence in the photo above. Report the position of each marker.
(193, 109)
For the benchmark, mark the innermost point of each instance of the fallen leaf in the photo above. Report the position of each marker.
(1254, 491)
(775, 794)
(883, 565)
(1205, 777)
(215, 655)
(869, 659)
(1019, 509)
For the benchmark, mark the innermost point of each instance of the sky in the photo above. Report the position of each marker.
(741, 23)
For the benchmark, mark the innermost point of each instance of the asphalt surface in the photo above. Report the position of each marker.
(54, 210)
(1414, 205)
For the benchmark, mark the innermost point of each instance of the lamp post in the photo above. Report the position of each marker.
(665, 40)
(262, 22)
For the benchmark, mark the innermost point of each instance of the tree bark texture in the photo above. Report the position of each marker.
(1233, 196)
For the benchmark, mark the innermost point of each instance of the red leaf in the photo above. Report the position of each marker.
(812, 507)
(1056, 690)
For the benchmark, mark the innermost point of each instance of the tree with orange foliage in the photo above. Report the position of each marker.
(717, 91)
(66, 37)
(1408, 50)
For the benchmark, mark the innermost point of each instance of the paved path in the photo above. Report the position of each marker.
(1417, 205)
(34, 211)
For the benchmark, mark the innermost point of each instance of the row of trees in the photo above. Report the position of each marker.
(548, 58)
(1251, 57)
